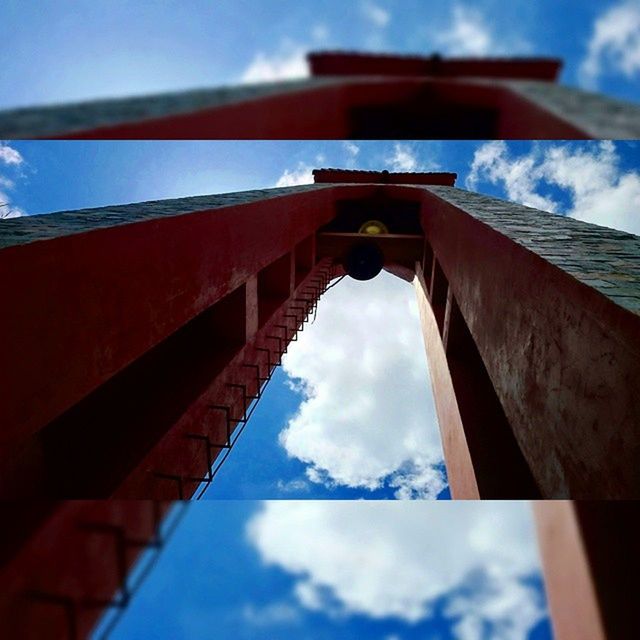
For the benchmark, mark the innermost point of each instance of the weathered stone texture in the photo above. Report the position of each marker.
(17, 231)
(52, 120)
(597, 115)
(604, 259)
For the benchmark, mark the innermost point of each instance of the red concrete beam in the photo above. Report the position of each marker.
(138, 357)
(70, 561)
(364, 107)
(553, 306)
(338, 63)
(106, 318)
(386, 177)
(591, 558)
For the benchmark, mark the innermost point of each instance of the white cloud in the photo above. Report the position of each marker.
(375, 14)
(13, 159)
(368, 415)
(292, 486)
(520, 176)
(403, 158)
(6, 183)
(303, 174)
(394, 559)
(288, 62)
(468, 34)
(351, 148)
(598, 189)
(508, 606)
(7, 210)
(9, 155)
(614, 45)
(273, 614)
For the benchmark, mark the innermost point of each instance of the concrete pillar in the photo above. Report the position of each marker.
(590, 558)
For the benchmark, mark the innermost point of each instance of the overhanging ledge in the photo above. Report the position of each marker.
(343, 176)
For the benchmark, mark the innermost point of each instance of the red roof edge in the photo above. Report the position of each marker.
(344, 63)
(349, 175)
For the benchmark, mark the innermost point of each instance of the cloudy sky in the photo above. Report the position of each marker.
(60, 50)
(349, 570)
(316, 433)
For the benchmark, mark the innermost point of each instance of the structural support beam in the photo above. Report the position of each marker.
(590, 558)
(354, 96)
(64, 564)
(460, 472)
(553, 308)
(114, 383)
(105, 367)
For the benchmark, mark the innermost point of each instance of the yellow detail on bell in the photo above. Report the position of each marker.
(373, 228)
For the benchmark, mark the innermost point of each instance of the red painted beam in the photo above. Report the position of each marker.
(177, 464)
(337, 63)
(590, 558)
(460, 472)
(435, 108)
(206, 285)
(386, 177)
(562, 357)
(83, 301)
(210, 283)
(69, 564)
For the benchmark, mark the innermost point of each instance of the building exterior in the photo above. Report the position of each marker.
(62, 565)
(157, 324)
(352, 95)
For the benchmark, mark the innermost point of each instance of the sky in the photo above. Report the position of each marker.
(301, 443)
(65, 50)
(343, 570)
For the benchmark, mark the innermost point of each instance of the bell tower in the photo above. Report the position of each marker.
(150, 329)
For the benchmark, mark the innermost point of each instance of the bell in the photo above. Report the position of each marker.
(364, 261)
(373, 228)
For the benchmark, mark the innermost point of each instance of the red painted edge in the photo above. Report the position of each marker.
(355, 176)
(338, 63)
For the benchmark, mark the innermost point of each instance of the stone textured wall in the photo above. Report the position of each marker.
(604, 259)
(45, 121)
(599, 116)
(17, 231)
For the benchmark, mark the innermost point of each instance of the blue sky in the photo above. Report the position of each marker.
(295, 446)
(266, 571)
(60, 50)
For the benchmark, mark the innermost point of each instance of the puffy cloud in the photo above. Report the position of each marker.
(293, 486)
(303, 174)
(403, 158)
(288, 62)
(614, 45)
(9, 155)
(13, 159)
(520, 176)
(375, 14)
(469, 34)
(7, 210)
(367, 416)
(509, 607)
(351, 148)
(598, 189)
(396, 559)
